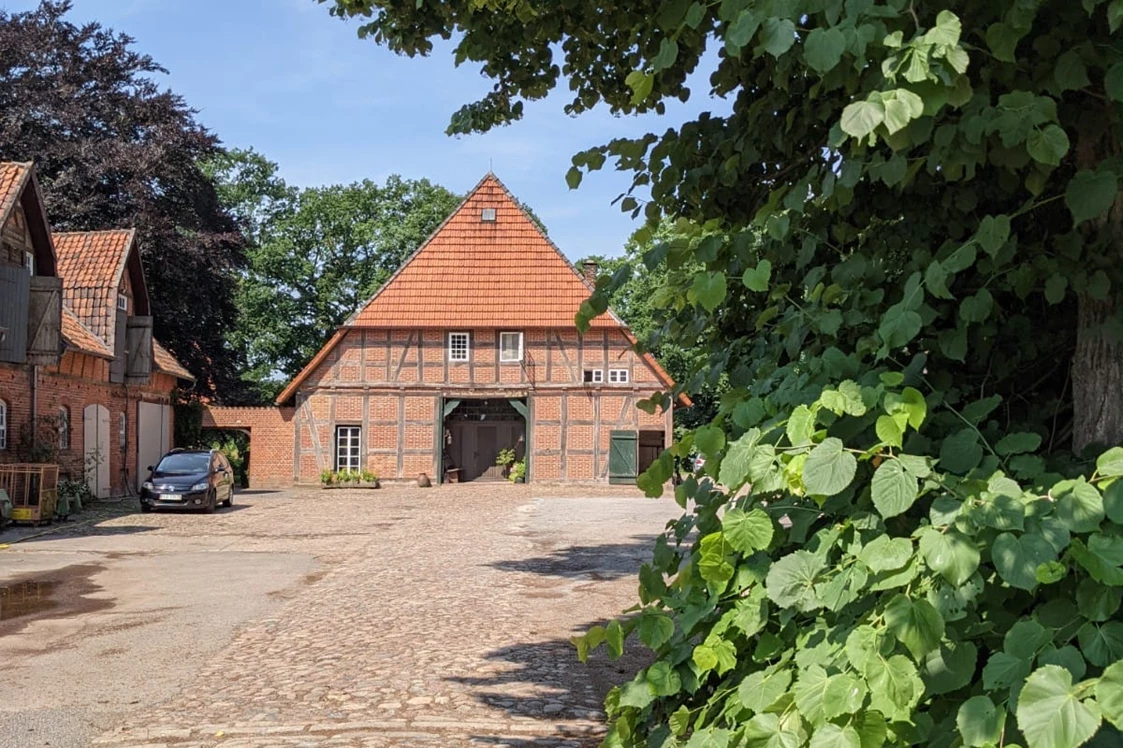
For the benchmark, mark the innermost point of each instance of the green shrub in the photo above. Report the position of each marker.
(518, 470)
(849, 589)
(505, 458)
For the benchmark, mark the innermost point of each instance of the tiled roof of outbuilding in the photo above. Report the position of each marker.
(164, 361)
(13, 177)
(79, 337)
(91, 264)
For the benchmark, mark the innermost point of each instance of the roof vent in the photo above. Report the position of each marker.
(487, 215)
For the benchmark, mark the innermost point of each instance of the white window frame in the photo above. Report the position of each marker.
(454, 355)
(122, 302)
(63, 428)
(29, 262)
(3, 425)
(518, 357)
(618, 376)
(594, 376)
(123, 432)
(348, 438)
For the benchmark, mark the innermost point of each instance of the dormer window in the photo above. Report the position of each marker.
(122, 302)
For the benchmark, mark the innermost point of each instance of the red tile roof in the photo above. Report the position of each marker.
(474, 273)
(163, 360)
(13, 178)
(81, 338)
(91, 264)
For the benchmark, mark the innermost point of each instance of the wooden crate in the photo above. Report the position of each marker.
(33, 490)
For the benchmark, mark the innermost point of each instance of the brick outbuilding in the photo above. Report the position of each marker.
(78, 364)
(469, 349)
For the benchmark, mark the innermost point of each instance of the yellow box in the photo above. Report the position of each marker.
(22, 514)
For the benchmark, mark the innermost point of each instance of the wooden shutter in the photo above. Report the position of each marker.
(44, 321)
(120, 362)
(138, 350)
(622, 457)
(14, 289)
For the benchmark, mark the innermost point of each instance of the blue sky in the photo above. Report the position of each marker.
(295, 83)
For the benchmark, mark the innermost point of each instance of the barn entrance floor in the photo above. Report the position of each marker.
(402, 617)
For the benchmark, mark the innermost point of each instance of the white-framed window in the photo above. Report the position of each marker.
(618, 376)
(64, 427)
(594, 376)
(347, 447)
(458, 346)
(123, 433)
(510, 347)
(29, 262)
(122, 302)
(3, 425)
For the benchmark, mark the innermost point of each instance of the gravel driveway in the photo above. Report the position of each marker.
(398, 617)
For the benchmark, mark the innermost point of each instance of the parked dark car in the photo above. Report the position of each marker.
(189, 479)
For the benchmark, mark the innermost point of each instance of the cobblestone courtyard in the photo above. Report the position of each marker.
(396, 617)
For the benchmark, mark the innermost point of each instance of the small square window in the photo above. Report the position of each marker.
(510, 347)
(458, 346)
(488, 215)
(122, 302)
(594, 376)
(618, 376)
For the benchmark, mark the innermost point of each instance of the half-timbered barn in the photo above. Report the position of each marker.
(469, 349)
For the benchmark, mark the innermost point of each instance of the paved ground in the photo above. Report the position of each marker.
(398, 617)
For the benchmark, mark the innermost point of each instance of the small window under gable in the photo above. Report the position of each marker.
(618, 376)
(122, 302)
(488, 215)
(510, 347)
(458, 346)
(594, 376)
(29, 262)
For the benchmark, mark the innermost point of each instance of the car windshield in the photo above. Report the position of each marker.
(184, 463)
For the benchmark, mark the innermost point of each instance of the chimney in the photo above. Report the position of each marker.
(590, 269)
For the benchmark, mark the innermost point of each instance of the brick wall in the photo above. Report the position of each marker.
(271, 441)
(77, 382)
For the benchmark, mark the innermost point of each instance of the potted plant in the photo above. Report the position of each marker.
(369, 478)
(518, 472)
(327, 478)
(505, 459)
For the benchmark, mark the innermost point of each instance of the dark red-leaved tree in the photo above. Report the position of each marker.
(113, 149)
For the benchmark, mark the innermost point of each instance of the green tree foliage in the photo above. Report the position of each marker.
(114, 150)
(315, 255)
(647, 301)
(904, 533)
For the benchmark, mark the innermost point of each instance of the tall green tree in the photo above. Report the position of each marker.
(903, 534)
(315, 254)
(115, 150)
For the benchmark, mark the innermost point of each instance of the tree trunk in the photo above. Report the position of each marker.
(1097, 363)
(1097, 378)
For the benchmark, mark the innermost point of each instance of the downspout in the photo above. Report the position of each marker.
(34, 407)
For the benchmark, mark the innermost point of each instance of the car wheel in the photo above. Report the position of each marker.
(145, 508)
(229, 500)
(211, 503)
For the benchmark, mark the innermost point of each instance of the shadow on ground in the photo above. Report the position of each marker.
(545, 680)
(599, 562)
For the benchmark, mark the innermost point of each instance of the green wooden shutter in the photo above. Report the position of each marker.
(622, 457)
